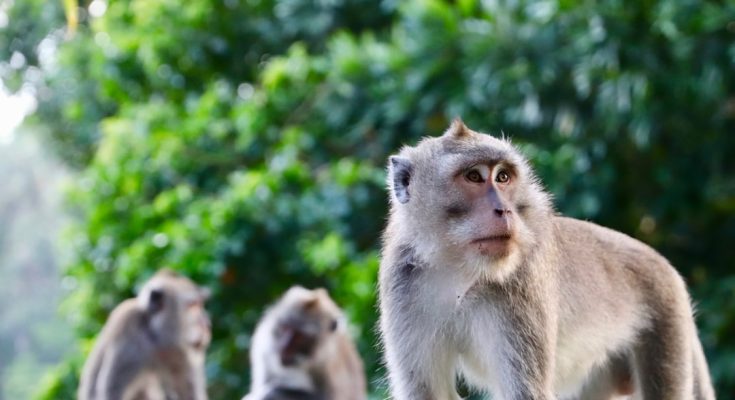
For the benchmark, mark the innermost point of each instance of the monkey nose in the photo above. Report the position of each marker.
(501, 211)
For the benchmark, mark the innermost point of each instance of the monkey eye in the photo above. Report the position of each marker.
(502, 177)
(478, 173)
(333, 325)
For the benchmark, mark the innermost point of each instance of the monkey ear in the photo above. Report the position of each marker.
(400, 172)
(156, 299)
(458, 129)
(333, 325)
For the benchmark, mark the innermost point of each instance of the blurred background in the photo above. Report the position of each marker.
(243, 143)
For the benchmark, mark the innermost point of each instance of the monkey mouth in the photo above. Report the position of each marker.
(494, 245)
(494, 238)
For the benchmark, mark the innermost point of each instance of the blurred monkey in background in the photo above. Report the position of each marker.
(152, 347)
(301, 350)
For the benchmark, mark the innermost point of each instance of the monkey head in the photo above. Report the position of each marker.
(174, 306)
(467, 198)
(307, 319)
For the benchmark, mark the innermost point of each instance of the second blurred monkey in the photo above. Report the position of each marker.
(302, 351)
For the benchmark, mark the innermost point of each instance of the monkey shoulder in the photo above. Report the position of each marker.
(123, 320)
(400, 267)
(126, 327)
(403, 286)
(124, 310)
(575, 233)
(588, 247)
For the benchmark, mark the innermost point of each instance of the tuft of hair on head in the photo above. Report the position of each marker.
(505, 138)
(167, 272)
(321, 293)
(311, 304)
(458, 129)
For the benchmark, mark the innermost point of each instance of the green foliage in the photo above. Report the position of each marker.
(212, 146)
(25, 24)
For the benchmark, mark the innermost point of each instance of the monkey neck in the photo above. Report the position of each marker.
(153, 332)
(322, 383)
(147, 328)
(291, 393)
(294, 378)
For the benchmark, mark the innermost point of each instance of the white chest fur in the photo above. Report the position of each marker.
(472, 327)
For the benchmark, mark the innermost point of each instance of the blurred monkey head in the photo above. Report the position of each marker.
(175, 305)
(306, 321)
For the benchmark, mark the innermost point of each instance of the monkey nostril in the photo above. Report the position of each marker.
(499, 212)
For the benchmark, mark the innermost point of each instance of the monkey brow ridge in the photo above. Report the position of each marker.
(479, 153)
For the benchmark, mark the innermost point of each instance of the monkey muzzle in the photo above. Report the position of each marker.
(294, 345)
(495, 245)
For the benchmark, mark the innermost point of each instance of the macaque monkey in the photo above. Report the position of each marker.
(152, 347)
(301, 350)
(481, 279)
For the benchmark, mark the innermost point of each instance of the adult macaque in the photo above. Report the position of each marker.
(301, 350)
(480, 278)
(152, 347)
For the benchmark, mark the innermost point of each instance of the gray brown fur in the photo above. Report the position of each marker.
(328, 369)
(152, 347)
(563, 309)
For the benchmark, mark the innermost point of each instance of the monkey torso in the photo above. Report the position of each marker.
(572, 288)
(600, 267)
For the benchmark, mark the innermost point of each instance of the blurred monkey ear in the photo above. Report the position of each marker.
(156, 299)
(400, 172)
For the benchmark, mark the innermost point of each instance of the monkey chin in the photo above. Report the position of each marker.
(494, 247)
(495, 258)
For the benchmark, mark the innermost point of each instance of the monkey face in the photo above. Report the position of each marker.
(198, 326)
(309, 318)
(174, 304)
(482, 211)
(466, 195)
(295, 341)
